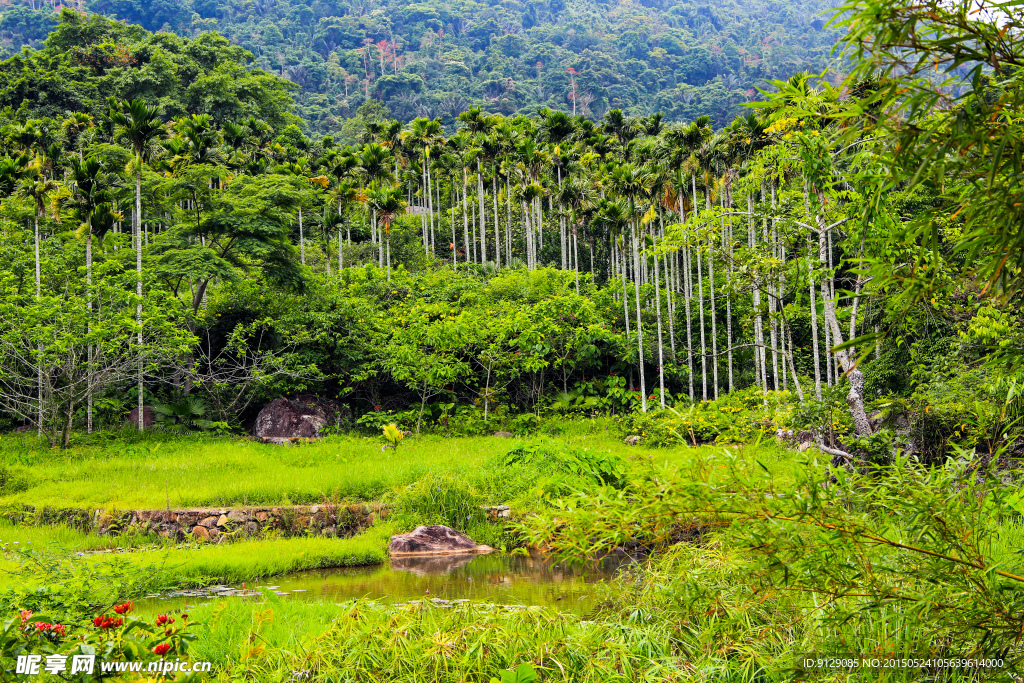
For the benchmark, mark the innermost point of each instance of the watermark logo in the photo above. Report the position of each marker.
(31, 665)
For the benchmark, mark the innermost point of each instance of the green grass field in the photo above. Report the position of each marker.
(191, 472)
(734, 627)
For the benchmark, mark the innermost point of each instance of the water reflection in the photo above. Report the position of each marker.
(505, 579)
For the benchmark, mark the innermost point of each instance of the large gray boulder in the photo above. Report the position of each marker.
(434, 540)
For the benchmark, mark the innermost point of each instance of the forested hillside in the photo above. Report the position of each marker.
(682, 58)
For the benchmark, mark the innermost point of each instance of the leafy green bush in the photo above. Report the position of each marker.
(548, 456)
(438, 498)
(733, 418)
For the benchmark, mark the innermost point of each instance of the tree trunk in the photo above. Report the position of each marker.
(703, 343)
(88, 286)
(138, 284)
(483, 221)
(639, 324)
(661, 341)
(497, 225)
(302, 240)
(39, 362)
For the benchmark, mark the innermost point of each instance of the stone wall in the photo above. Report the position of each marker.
(209, 524)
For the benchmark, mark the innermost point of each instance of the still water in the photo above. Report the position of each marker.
(502, 579)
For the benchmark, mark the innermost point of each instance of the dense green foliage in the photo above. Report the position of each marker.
(590, 267)
(839, 269)
(683, 58)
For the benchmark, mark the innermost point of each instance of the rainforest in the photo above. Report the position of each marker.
(520, 342)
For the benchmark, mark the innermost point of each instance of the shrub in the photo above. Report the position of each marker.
(733, 418)
(438, 498)
(546, 456)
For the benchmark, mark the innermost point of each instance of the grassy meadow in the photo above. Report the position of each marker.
(157, 472)
(744, 599)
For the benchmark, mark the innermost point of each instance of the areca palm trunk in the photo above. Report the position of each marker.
(576, 256)
(508, 220)
(453, 199)
(423, 214)
(814, 304)
(661, 341)
(483, 221)
(138, 279)
(727, 238)
(497, 224)
(526, 235)
(625, 297)
(780, 291)
(669, 285)
(714, 322)
(430, 201)
(39, 294)
(703, 343)
(465, 213)
(302, 240)
(639, 324)
(755, 296)
(88, 287)
(687, 297)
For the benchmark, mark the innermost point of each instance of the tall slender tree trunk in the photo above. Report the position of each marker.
(687, 298)
(714, 322)
(465, 214)
(39, 362)
(497, 224)
(453, 199)
(576, 256)
(430, 203)
(302, 240)
(727, 243)
(703, 343)
(661, 341)
(639, 324)
(89, 345)
(138, 280)
(483, 221)
(625, 296)
(508, 221)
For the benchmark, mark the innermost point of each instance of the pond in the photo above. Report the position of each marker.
(502, 579)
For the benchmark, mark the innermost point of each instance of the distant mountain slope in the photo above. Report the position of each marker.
(680, 57)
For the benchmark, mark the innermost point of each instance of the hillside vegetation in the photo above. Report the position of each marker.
(683, 58)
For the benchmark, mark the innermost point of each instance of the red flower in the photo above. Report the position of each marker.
(25, 614)
(162, 649)
(105, 622)
(184, 617)
(376, 408)
(125, 608)
(164, 619)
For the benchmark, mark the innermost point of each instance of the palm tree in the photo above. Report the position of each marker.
(477, 123)
(74, 126)
(374, 167)
(87, 178)
(387, 203)
(141, 125)
(633, 183)
(38, 190)
(426, 134)
(300, 169)
(344, 194)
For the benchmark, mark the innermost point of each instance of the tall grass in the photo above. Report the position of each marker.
(199, 472)
(247, 560)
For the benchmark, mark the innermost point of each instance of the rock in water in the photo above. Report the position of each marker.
(300, 418)
(434, 540)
